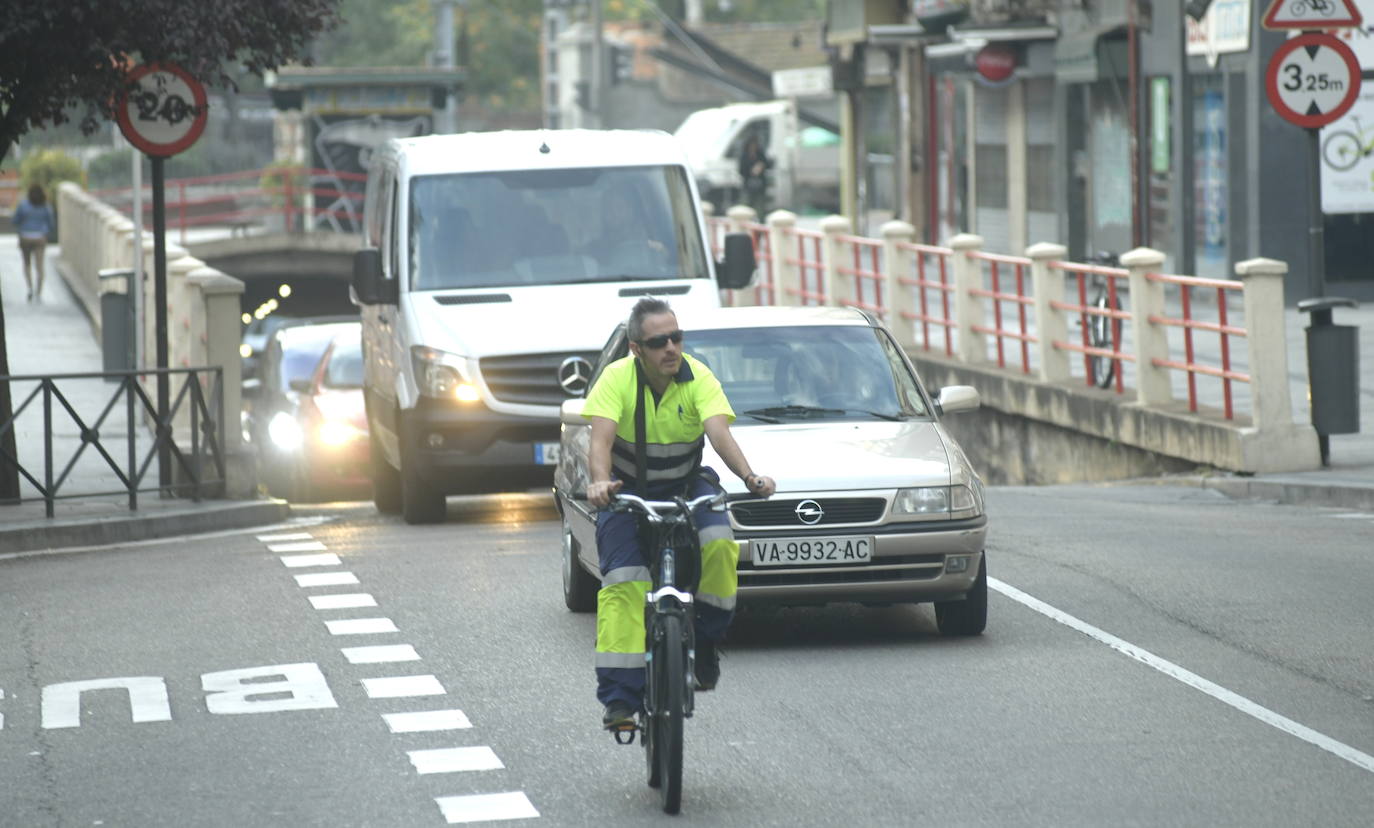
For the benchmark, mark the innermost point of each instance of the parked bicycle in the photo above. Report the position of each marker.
(1104, 330)
(670, 645)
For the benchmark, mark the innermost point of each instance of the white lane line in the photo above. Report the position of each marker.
(380, 654)
(423, 721)
(361, 626)
(454, 760)
(298, 546)
(402, 687)
(315, 579)
(182, 539)
(2, 715)
(323, 559)
(1168, 668)
(348, 600)
(485, 807)
(285, 536)
(1355, 515)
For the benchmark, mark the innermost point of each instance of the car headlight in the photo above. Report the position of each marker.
(937, 500)
(443, 375)
(337, 432)
(285, 432)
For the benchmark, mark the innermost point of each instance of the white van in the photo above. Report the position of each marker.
(495, 266)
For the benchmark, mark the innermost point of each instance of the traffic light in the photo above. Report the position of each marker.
(622, 64)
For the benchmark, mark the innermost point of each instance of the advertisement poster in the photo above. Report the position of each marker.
(1224, 29)
(1211, 184)
(1347, 151)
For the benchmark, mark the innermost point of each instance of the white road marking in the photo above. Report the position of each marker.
(484, 807)
(402, 687)
(343, 601)
(315, 579)
(231, 692)
(324, 559)
(61, 703)
(2, 715)
(285, 536)
(299, 546)
(426, 720)
(361, 626)
(1355, 515)
(314, 520)
(454, 760)
(1168, 668)
(380, 654)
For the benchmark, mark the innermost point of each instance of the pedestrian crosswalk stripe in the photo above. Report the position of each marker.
(316, 579)
(454, 760)
(287, 536)
(486, 807)
(426, 720)
(361, 626)
(322, 559)
(344, 601)
(402, 687)
(380, 654)
(297, 546)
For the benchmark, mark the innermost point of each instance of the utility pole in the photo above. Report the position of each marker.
(445, 120)
(598, 74)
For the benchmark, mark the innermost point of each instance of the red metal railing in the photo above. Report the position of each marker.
(1088, 312)
(1020, 266)
(812, 290)
(1222, 327)
(922, 254)
(868, 281)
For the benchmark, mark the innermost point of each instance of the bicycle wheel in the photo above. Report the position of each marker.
(670, 685)
(1100, 335)
(1341, 151)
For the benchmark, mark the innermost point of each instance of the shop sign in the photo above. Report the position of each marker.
(996, 62)
(1159, 125)
(1347, 159)
(1224, 29)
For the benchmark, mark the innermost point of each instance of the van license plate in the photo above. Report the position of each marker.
(811, 551)
(546, 454)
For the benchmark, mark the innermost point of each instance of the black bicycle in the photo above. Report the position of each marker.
(670, 642)
(1104, 329)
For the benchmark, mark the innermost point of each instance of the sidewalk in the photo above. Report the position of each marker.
(54, 336)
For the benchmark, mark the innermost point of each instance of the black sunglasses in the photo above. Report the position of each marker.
(653, 343)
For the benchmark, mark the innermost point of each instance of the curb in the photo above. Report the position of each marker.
(110, 531)
(1288, 492)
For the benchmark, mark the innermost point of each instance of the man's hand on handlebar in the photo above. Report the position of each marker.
(760, 485)
(599, 494)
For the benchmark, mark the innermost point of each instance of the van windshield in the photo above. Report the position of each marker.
(548, 227)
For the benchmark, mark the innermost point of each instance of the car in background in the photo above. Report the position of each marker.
(256, 335)
(308, 424)
(876, 503)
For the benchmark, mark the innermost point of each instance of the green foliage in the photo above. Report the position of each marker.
(47, 168)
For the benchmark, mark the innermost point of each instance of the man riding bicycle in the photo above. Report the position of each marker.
(681, 401)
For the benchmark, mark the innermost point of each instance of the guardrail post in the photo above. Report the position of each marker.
(897, 264)
(1151, 340)
(1050, 324)
(1267, 338)
(786, 275)
(836, 288)
(968, 310)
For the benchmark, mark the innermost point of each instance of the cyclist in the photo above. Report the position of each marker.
(682, 401)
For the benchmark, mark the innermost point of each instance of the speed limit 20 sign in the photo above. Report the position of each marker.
(162, 111)
(1312, 80)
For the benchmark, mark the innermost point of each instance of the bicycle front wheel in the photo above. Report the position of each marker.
(670, 689)
(1102, 334)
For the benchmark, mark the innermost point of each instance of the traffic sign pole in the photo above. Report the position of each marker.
(164, 435)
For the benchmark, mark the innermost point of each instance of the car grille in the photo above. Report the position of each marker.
(887, 568)
(531, 379)
(835, 509)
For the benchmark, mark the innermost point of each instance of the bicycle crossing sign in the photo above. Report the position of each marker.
(1312, 80)
(1311, 14)
(162, 111)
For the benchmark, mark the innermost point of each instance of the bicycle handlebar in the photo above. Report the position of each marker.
(661, 509)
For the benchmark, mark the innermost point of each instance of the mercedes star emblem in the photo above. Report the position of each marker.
(573, 375)
(809, 512)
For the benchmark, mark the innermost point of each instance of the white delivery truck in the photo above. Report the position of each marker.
(494, 267)
(805, 171)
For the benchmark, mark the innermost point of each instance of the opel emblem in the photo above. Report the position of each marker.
(809, 512)
(573, 375)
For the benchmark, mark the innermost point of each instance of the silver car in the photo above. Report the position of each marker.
(876, 502)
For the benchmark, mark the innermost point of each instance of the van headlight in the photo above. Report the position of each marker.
(285, 432)
(956, 501)
(443, 375)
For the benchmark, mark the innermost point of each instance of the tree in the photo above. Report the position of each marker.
(58, 55)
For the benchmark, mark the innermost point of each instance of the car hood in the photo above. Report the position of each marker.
(806, 457)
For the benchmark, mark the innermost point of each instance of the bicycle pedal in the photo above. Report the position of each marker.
(624, 734)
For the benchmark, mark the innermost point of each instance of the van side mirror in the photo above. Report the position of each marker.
(736, 271)
(369, 285)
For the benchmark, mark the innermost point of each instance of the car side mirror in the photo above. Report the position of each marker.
(301, 385)
(570, 413)
(736, 270)
(956, 398)
(369, 285)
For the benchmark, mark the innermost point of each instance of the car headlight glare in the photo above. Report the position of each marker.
(285, 432)
(437, 373)
(466, 392)
(337, 432)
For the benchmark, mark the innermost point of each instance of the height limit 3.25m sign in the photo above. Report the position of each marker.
(162, 111)
(1312, 80)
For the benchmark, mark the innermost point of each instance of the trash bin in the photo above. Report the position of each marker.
(116, 320)
(1333, 371)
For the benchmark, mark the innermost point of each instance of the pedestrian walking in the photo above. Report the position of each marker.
(753, 173)
(34, 221)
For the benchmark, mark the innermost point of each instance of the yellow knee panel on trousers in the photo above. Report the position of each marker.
(620, 617)
(719, 573)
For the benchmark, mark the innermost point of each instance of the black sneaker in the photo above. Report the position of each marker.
(707, 665)
(618, 716)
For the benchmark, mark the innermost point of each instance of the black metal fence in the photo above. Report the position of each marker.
(200, 471)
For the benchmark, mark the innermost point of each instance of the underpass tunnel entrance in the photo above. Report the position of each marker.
(271, 300)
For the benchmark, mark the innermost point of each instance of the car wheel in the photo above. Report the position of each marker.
(386, 481)
(579, 588)
(421, 500)
(969, 616)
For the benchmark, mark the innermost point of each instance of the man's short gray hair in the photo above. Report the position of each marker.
(648, 306)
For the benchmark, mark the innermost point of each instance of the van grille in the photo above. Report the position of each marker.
(835, 509)
(530, 379)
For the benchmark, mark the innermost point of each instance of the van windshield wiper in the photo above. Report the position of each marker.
(771, 413)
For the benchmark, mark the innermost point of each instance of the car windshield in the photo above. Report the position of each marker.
(809, 372)
(345, 368)
(301, 349)
(544, 227)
